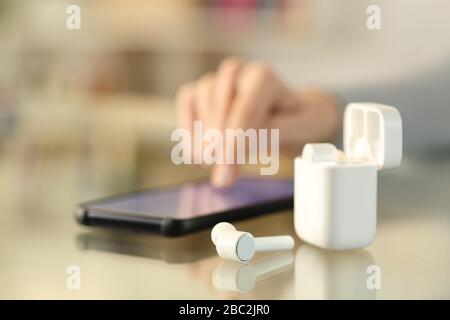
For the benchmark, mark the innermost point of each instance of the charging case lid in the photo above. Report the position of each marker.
(373, 134)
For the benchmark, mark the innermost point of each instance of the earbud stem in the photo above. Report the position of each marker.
(274, 243)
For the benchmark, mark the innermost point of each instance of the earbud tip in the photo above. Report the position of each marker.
(220, 227)
(245, 247)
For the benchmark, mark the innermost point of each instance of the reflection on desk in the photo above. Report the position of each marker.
(185, 249)
(241, 277)
(322, 274)
(319, 274)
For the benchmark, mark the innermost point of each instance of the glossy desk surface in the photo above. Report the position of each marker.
(43, 176)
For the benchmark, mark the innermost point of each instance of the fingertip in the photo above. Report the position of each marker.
(223, 176)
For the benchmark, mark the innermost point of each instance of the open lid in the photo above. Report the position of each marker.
(373, 133)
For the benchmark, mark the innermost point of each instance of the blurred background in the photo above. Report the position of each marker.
(100, 99)
(88, 113)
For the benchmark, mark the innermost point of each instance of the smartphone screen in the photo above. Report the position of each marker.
(196, 199)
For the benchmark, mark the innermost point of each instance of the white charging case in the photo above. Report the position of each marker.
(335, 197)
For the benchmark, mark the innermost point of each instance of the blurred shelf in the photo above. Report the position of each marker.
(162, 26)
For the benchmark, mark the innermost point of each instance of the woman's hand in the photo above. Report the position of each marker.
(250, 95)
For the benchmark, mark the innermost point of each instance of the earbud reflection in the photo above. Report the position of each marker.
(238, 277)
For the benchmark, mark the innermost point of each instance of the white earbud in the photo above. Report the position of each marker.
(241, 246)
(320, 152)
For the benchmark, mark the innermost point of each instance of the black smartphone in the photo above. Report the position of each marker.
(183, 209)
